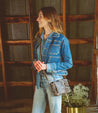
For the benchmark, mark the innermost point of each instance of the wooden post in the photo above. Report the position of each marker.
(64, 16)
(94, 67)
(3, 66)
(32, 39)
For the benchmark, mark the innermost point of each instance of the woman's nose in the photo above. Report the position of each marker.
(37, 19)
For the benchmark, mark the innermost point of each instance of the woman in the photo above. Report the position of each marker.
(52, 54)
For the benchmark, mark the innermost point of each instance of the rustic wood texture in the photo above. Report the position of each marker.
(81, 41)
(3, 66)
(96, 52)
(23, 83)
(18, 42)
(71, 41)
(69, 18)
(64, 16)
(32, 41)
(94, 65)
(76, 63)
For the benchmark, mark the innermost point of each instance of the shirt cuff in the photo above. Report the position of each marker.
(51, 67)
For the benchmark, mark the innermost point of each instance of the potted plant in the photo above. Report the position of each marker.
(77, 99)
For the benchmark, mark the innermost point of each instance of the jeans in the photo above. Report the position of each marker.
(39, 102)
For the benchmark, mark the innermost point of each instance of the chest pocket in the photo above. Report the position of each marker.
(54, 49)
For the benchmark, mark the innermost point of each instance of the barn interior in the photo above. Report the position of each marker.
(18, 27)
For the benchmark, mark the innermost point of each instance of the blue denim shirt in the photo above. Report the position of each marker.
(56, 54)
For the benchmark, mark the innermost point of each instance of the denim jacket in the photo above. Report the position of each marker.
(56, 54)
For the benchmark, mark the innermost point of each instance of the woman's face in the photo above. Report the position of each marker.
(42, 21)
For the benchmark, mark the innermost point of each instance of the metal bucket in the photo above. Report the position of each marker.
(75, 110)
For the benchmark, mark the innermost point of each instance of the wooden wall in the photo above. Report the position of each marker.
(18, 26)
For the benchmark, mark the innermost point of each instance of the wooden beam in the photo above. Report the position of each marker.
(32, 40)
(64, 16)
(94, 65)
(96, 52)
(14, 83)
(1, 84)
(72, 83)
(78, 18)
(18, 42)
(15, 20)
(81, 41)
(19, 63)
(25, 19)
(82, 63)
(23, 83)
(76, 63)
(3, 66)
(71, 41)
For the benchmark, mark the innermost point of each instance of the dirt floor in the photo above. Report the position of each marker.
(25, 106)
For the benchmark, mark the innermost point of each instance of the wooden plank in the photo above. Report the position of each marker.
(13, 83)
(15, 20)
(81, 41)
(18, 42)
(19, 63)
(96, 52)
(82, 63)
(76, 63)
(64, 16)
(79, 18)
(94, 69)
(24, 83)
(1, 84)
(71, 41)
(25, 19)
(3, 66)
(72, 83)
(73, 18)
(32, 41)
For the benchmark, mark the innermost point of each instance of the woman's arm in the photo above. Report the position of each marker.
(66, 62)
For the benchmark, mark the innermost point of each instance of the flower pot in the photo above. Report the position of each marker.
(75, 110)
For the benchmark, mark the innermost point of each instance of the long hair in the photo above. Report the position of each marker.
(53, 19)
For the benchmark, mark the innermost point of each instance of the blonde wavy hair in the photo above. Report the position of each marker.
(53, 18)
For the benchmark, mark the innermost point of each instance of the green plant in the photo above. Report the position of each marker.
(78, 97)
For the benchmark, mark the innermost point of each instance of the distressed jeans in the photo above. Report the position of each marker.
(39, 101)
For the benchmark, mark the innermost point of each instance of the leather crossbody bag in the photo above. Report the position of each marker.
(59, 87)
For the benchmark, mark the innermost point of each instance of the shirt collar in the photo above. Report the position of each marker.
(53, 33)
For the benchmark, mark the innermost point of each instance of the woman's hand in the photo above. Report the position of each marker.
(40, 65)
